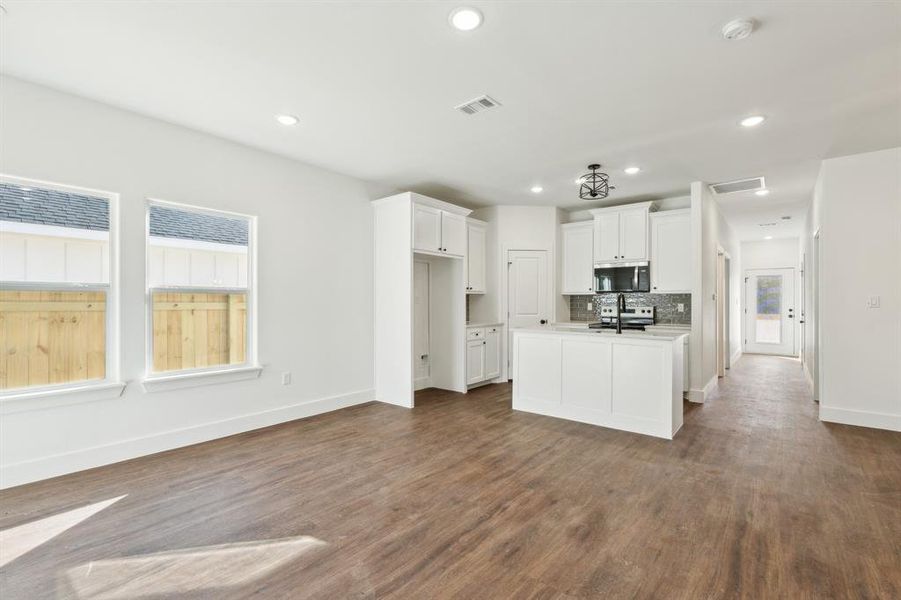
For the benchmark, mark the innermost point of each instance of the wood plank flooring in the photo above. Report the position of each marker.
(464, 498)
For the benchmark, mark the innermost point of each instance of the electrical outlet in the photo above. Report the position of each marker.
(873, 302)
(590, 306)
(680, 307)
(286, 378)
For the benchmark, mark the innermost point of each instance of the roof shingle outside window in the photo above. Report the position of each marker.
(76, 211)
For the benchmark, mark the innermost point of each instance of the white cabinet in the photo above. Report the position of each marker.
(475, 257)
(482, 354)
(475, 361)
(578, 258)
(492, 353)
(439, 231)
(671, 252)
(453, 233)
(621, 233)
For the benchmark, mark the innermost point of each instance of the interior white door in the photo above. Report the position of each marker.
(606, 237)
(453, 234)
(527, 301)
(578, 272)
(633, 234)
(475, 259)
(426, 228)
(421, 363)
(770, 311)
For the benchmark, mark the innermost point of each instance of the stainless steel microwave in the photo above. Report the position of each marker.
(622, 277)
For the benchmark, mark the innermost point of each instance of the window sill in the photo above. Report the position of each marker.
(165, 383)
(51, 397)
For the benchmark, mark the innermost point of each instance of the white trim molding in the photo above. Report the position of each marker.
(700, 396)
(50, 397)
(860, 418)
(186, 379)
(70, 462)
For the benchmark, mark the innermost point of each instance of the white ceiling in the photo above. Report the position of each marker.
(375, 83)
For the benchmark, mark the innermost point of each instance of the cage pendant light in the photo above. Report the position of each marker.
(595, 185)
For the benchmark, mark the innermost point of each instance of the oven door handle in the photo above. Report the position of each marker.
(635, 280)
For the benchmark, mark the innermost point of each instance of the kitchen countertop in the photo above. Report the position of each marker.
(641, 335)
(483, 324)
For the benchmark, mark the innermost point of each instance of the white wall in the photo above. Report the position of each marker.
(773, 254)
(710, 232)
(857, 210)
(519, 228)
(315, 278)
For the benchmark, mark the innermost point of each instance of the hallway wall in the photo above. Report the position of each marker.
(857, 210)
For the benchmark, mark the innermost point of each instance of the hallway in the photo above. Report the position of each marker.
(462, 497)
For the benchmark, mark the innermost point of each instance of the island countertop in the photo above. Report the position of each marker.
(667, 336)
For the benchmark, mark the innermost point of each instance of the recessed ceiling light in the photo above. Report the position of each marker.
(537, 189)
(769, 237)
(631, 170)
(288, 120)
(763, 192)
(465, 18)
(753, 121)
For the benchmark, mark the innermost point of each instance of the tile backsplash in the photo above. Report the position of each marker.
(666, 304)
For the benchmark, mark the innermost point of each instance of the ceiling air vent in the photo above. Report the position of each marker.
(742, 185)
(477, 105)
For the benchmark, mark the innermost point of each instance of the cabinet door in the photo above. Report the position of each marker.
(633, 234)
(475, 259)
(453, 233)
(492, 353)
(475, 361)
(426, 228)
(578, 267)
(606, 237)
(671, 254)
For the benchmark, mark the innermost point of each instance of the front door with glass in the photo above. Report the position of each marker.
(770, 311)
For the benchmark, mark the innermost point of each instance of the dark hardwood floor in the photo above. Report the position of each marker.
(463, 498)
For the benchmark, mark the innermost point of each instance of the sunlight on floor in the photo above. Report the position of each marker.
(177, 572)
(16, 541)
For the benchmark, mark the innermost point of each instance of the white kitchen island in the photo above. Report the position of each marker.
(630, 381)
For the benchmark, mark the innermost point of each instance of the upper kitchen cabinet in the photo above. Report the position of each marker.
(438, 231)
(476, 236)
(621, 233)
(671, 252)
(578, 259)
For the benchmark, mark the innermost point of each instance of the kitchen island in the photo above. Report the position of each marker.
(630, 381)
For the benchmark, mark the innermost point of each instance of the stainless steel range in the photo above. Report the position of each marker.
(636, 317)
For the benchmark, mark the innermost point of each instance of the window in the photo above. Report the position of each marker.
(200, 299)
(57, 293)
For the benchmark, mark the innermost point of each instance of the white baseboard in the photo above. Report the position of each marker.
(698, 396)
(807, 376)
(422, 383)
(87, 458)
(860, 418)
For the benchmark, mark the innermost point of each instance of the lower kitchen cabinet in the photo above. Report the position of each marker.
(482, 354)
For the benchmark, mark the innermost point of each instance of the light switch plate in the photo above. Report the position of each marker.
(286, 378)
(873, 302)
(680, 307)
(590, 306)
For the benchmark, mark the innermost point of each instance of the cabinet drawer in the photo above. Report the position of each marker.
(476, 333)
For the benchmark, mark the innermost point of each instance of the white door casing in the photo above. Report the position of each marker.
(770, 312)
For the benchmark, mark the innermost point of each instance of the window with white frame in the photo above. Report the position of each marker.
(57, 286)
(199, 279)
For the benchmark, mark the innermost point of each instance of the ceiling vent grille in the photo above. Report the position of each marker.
(742, 185)
(477, 105)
